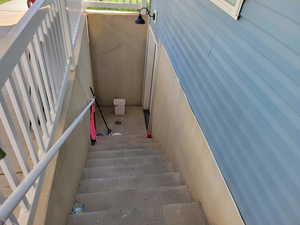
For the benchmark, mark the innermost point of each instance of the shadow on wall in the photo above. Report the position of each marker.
(118, 56)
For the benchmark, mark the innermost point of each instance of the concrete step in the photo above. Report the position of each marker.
(133, 141)
(132, 198)
(184, 213)
(119, 146)
(131, 182)
(123, 136)
(134, 170)
(124, 139)
(122, 153)
(124, 161)
(171, 214)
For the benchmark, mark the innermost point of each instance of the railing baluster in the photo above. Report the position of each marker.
(11, 134)
(44, 74)
(57, 25)
(12, 179)
(36, 73)
(58, 61)
(34, 200)
(56, 39)
(12, 220)
(26, 65)
(65, 28)
(22, 124)
(48, 63)
(29, 107)
(51, 56)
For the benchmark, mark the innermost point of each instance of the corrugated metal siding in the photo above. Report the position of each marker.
(242, 80)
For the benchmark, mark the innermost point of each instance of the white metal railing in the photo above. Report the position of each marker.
(35, 61)
(116, 4)
(18, 195)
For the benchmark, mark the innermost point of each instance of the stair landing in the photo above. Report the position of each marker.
(132, 123)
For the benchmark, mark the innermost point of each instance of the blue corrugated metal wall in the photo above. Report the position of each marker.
(242, 80)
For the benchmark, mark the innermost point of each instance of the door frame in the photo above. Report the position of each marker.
(148, 85)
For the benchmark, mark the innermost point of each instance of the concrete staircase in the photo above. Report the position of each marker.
(127, 181)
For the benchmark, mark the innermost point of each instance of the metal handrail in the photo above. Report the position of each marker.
(16, 197)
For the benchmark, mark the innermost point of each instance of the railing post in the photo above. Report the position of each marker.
(65, 28)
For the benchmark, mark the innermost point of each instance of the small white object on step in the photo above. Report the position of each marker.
(119, 104)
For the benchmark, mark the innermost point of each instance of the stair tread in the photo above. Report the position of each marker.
(102, 172)
(132, 198)
(127, 182)
(112, 139)
(115, 146)
(123, 139)
(122, 153)
(155, 164)
(125, 136)
(122, 161)
(142, 216)
(117, 142)
(184, 213)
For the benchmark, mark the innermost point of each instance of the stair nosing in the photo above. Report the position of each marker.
(162, 188)
(140, 164)
(111, 148)
(105, 144)
(126, 150)
(149, 162)
(126, 166)
(192, 203)
(125, 157)
(125, 135)
(176, 173)
(123, 140)
(99, 143)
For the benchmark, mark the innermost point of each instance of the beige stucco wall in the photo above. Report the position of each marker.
(177, 130)
(63, 174)
(118, 56)
(69, 164)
